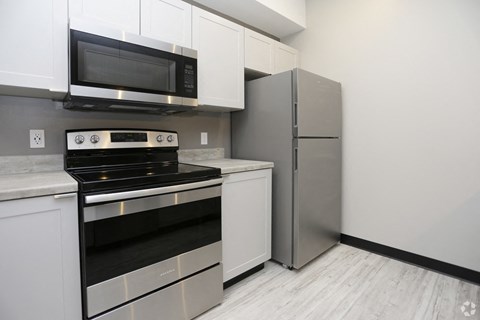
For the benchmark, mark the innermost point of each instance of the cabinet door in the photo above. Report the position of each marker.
(286, 58)
(118, 14)
(167, 20)
(39, 250)
(246, 221)
(34, 47)
(220, 46)
(258, 52)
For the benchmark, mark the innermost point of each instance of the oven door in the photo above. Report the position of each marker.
(132, 247)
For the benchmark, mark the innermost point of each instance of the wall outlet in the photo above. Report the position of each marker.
(203, 137)
(37, 138)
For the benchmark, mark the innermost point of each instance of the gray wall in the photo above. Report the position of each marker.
(410, 72)
(18, 115)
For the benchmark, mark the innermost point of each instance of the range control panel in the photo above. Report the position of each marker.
(120, 139)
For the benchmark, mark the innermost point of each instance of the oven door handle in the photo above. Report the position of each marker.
(150, 192)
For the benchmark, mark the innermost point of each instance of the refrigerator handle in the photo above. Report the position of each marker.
(295, 159)
(295, 114)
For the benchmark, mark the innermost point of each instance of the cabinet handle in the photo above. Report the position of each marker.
(65, 195)
(59, 90)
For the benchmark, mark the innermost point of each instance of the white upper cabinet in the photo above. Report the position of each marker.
(118, 14)
(268, 56)
(286, 58)
(33, 59)
(220, 47)
(167, 20)
(258, 52)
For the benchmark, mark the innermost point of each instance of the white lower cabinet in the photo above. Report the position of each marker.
(246, 221)
(39, 264)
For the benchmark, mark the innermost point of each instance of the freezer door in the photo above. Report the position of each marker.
(317, 106)
(317, 197)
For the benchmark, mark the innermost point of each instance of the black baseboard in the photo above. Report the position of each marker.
(242, 276)
(405, 256)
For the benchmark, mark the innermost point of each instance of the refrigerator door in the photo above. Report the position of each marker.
(317, 197)
(317, 106)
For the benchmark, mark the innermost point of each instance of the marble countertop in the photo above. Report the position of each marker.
(233, 165)
(34, 176)
(26, 185)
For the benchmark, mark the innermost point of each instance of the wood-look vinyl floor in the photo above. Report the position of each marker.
(347, 283)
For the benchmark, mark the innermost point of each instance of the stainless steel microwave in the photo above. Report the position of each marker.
(111, 70)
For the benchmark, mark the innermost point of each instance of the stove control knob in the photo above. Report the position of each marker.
(79, 139)
(170, 138)
(160, 138)
(94, 139)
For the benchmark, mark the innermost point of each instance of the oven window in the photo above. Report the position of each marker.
(118, 245)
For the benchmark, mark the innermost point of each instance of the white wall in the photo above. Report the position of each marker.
(410, 72)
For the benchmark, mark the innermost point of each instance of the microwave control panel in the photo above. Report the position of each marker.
(190, 78)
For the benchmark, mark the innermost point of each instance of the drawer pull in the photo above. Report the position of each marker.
(65, 195)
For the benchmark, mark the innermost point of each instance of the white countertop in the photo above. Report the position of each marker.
(26, 185)
(233, 165)
(15, 185)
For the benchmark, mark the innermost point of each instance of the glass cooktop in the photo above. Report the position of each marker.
(139, 177)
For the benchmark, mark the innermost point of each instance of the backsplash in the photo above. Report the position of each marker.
(18, 115)
(185, 155)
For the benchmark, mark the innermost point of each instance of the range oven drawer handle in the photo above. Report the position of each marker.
(150, 192)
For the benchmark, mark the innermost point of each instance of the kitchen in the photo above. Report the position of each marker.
(403, 172)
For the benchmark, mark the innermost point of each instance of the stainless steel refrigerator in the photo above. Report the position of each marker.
(295, 120)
